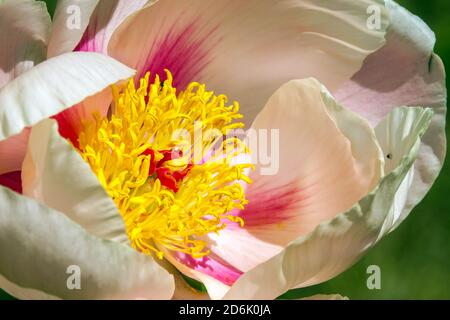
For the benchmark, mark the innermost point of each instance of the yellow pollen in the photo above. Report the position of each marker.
(168, 202)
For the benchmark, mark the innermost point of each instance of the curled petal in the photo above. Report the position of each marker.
(41, 249)
(328, 160)
(405, 72)
(53, 86)
(397, 134)
(54, 174)
(336, 244)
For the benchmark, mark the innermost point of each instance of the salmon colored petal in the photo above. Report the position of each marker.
(70, 120)
(338, 243)
(12, 151)
(328, 160)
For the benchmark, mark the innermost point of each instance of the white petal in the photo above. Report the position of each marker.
(247, 49)
(23, 293)
(53, 86)
(405, 72)
(38, 244)
(54, 174)
(334, 245)
(24, 31)
(397, 134)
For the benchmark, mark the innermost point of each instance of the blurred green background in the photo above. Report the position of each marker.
(415, 259)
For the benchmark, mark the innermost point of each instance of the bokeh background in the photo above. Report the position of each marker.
(414, 259)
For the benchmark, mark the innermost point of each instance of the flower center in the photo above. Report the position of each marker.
(171, 186)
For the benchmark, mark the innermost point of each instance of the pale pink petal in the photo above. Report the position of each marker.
(24, 31)
(404, 72)
(247, 49)
(328, 160)
(243, 249)
(338, 243)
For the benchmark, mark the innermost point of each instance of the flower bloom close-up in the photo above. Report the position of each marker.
(251, 146)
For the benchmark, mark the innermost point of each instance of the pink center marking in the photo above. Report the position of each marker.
(184, 52)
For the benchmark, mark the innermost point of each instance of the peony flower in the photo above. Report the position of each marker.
(95, 179)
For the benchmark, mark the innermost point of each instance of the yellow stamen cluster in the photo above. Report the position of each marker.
(150, 117)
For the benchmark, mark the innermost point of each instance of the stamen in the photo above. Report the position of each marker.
(168, 200)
